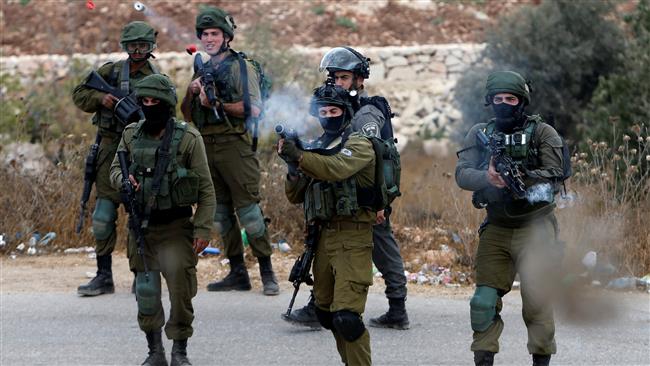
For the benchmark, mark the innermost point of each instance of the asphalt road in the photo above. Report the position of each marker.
(246, 329)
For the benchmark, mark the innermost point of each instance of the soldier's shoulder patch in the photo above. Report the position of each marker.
(346, 152)
(370, 129)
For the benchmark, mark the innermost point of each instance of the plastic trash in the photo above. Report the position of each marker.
(31, 251)
(47, 238)
(225, 261)
(34, 239)
(622, 283)
(20, 247)
(590, 259)
(244, 237)
(2, 241)
(283, 246)
(211, 251)
(455, 237)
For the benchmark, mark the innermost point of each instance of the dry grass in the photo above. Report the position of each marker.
(432, 212)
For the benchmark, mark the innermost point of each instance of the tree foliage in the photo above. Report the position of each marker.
(624, 97)
(562, 47)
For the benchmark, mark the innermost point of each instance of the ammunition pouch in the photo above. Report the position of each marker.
(324, 200)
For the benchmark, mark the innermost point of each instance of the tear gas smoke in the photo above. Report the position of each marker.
(542, 192)
(181, 35)
(290, 106)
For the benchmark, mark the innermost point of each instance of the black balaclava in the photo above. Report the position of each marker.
(156, 117)
(334, 125)
(509, 117)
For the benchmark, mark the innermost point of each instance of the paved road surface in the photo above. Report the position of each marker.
(246, 329)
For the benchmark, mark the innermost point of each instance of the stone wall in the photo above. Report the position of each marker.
(417, 80)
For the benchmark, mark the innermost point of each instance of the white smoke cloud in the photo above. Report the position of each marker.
(542, 192)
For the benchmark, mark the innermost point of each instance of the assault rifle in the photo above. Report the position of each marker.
(130, 201)
(90, 175)
(126, 109)
(289, 134)
(300, 270)
(503, 163)
(208, 82)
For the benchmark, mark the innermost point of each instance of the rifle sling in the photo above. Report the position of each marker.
(243, 76)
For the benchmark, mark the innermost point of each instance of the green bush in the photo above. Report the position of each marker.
(563, 47)
(623, 98)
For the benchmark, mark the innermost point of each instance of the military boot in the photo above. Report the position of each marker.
(102, 283)
(269, 281)
(396, 316)
(179, 353)
(237, 279)
(305, 316)
(541, 360)
(483, 358)
(156, 355)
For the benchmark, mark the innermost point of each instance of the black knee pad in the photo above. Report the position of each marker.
(324, 318)
(348, 324)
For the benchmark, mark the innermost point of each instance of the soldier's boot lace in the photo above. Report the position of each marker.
(237, 279)
(396, 316)
(179, 353)
(541, 360)
(483, 358)
(270, 283)
(305, 316)
(102, 283)
(156, 355)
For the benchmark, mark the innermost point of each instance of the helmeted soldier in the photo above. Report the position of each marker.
(138, 40)
(348, 69)
(519, 232)
(233, 164)
(169, 170)
(336, 184)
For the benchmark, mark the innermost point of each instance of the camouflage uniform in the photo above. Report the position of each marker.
(110, 129)
(517, 236)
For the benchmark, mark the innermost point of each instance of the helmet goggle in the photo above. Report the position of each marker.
(139, 47)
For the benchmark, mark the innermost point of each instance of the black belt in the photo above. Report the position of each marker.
(162, 217)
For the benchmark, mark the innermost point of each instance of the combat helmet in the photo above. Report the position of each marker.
(332, 95)
(137, 35)
(507, 82)
(213, 17)
(345, 59)
(157, 86)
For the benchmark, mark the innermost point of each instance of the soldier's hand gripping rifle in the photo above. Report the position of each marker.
(90, 176)
(210, 89)
(126, 109)
(289, 134)
(302, 266)
(503, 163)
(130, 201)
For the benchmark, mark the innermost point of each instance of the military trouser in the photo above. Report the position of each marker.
(235, 173)
(108, 200)
(387, 258)
(169, 252)
(530, 251)
(342, 274)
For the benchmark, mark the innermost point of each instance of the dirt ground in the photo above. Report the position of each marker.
(64, 272)
(62, 27)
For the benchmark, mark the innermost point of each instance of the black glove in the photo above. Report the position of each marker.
(290, 152)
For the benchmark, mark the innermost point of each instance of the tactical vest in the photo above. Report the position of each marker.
(179, 185)
(119, 77)
(519, 145)
(324, 200)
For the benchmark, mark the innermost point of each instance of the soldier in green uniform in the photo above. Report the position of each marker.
(519, 234)
(233, 163)
(336, 184)
(349, 68)
(138, 40)
(173, 236)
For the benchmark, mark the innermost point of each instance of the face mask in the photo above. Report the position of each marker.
(508, 117)
(332, 125)
(156, 117)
